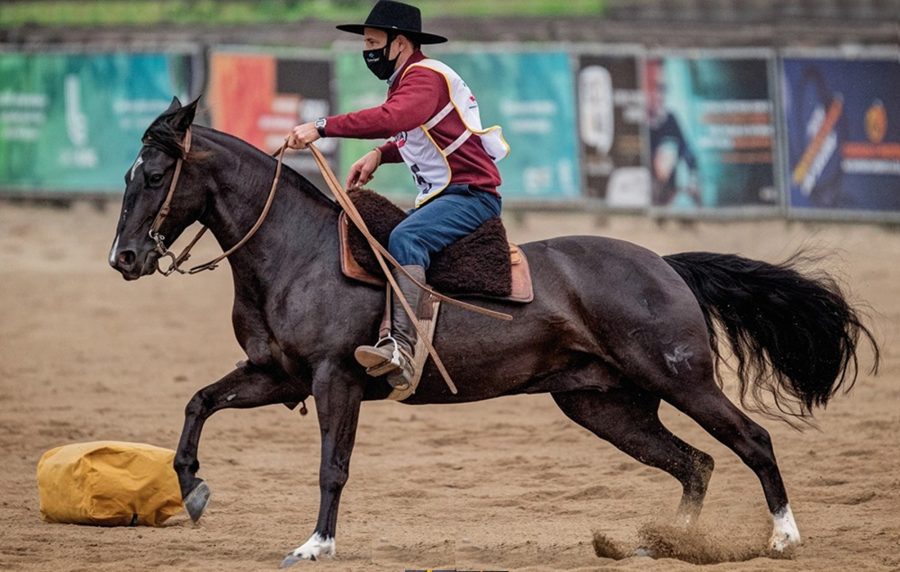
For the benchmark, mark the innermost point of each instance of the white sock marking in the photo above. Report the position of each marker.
(784, 532)
(316, 547)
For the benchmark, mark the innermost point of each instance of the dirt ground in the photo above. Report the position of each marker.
(503, 484)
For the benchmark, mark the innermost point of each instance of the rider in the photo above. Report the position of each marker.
(433, 121)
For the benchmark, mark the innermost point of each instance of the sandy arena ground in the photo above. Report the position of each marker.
(503, 484)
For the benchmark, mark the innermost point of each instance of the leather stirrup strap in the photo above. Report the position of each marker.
(385, 329)
(355, 217)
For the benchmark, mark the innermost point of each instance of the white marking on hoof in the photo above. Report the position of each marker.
(784, 533)
(316, 547)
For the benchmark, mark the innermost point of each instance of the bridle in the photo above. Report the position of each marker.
(381, 253)
(178, 260)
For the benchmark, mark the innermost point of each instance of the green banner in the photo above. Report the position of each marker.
(529, 94)
(73, 122)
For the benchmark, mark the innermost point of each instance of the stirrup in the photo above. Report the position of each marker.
(388, 365)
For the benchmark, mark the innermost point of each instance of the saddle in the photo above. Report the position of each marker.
(483, 264)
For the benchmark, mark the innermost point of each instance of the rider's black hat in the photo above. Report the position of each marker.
(397, 17)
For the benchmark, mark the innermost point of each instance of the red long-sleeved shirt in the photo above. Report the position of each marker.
(412, 100)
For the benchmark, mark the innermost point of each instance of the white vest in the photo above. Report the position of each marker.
(426, 160)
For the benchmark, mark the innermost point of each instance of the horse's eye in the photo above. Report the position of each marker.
(156, 179)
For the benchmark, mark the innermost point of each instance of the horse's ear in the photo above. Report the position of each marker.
(173, 107)
(184, 116)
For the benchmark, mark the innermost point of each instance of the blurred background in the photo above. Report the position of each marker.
(758, 127)
(686, 108)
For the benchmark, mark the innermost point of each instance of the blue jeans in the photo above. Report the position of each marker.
(440, 222)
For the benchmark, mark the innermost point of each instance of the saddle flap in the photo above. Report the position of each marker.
(522, 288)
(349, 266)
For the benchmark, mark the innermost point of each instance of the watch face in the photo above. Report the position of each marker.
(320, 122)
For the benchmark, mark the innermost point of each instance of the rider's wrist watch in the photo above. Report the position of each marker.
(320, 126)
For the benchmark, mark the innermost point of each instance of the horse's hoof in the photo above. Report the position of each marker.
(644, 552)
(316, 547)
(782, 543)
(291, 559)
(785, 535)
(196, 501)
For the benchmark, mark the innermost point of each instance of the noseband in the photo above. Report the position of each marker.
(178, 260)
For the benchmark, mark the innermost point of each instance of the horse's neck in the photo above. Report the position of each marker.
(300, 226)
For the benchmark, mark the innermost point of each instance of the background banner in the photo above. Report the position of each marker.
(529, 94)
(610, 114)
(711, 133)
(72, 122)
(259, 97)
(842, 119)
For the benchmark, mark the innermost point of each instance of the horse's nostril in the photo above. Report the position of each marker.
(126, 258)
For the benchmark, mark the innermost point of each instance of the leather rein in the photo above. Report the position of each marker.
(381, 253)
(178, 260)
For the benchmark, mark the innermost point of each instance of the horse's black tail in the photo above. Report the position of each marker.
(793, 335)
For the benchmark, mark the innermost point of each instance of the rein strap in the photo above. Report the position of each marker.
(177, 261)
(381, 253)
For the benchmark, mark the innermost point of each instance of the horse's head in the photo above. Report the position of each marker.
(147, 184)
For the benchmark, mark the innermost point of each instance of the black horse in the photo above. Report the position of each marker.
(613, 329)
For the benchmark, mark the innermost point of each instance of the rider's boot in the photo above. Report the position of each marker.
(394, 356)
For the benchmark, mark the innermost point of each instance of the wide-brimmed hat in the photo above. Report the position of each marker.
(398, 17)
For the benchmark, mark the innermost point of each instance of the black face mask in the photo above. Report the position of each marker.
(378, 62)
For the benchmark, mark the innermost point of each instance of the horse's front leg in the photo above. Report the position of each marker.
(246, 387)
(338, 395)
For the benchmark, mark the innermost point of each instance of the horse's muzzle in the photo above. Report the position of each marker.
(132, 264)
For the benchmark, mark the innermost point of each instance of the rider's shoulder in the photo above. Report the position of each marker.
(421, 72)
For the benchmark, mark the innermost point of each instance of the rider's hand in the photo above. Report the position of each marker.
(361, 172)
(303, 135)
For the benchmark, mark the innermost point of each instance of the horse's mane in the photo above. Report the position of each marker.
(164, 137)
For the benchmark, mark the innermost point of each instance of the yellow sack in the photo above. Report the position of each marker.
(108, 483)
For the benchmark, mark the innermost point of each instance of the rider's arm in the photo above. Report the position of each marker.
(413, 103)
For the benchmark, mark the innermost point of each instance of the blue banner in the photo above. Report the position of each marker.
(843, 131)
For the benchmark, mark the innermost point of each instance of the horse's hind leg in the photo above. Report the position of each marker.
(676, 365)
(705, 403)
(245, 387)
(629, 420)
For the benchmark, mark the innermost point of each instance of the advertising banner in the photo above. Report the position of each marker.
(73, 122)
(711, 132)
(529, 94)
(842, 120)
(259, 97)
(610, 115)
